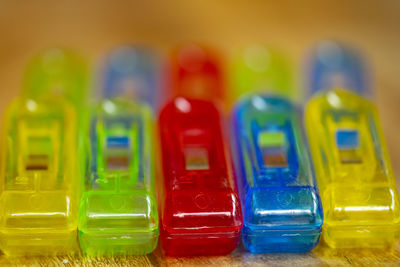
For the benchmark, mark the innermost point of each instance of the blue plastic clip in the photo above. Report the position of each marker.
(280, 201)
(336, 66)
(132, 72)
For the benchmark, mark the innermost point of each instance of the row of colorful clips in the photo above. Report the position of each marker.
(108, 180)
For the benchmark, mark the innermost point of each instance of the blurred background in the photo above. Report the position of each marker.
(92, 27)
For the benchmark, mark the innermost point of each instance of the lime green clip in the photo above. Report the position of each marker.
(258, 69)
(57, 72)
(118, 212)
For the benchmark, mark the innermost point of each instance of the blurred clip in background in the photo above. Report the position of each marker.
(57, 72)
(261, 69)
(133, 72)
(196, 71)
(333, 65)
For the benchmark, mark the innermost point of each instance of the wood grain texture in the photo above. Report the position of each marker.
(320, 256)
(94, 26)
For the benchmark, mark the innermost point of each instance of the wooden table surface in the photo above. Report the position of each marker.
(94, 26)
(320, 256)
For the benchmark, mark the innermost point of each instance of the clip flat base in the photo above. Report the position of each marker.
(116, 224)
(283, 220)
(380, 237)
(118, 244)
(39, 244)
(280, 241)
(204, 244)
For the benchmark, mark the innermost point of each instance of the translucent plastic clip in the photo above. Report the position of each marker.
(200, 209)
(281, 206)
